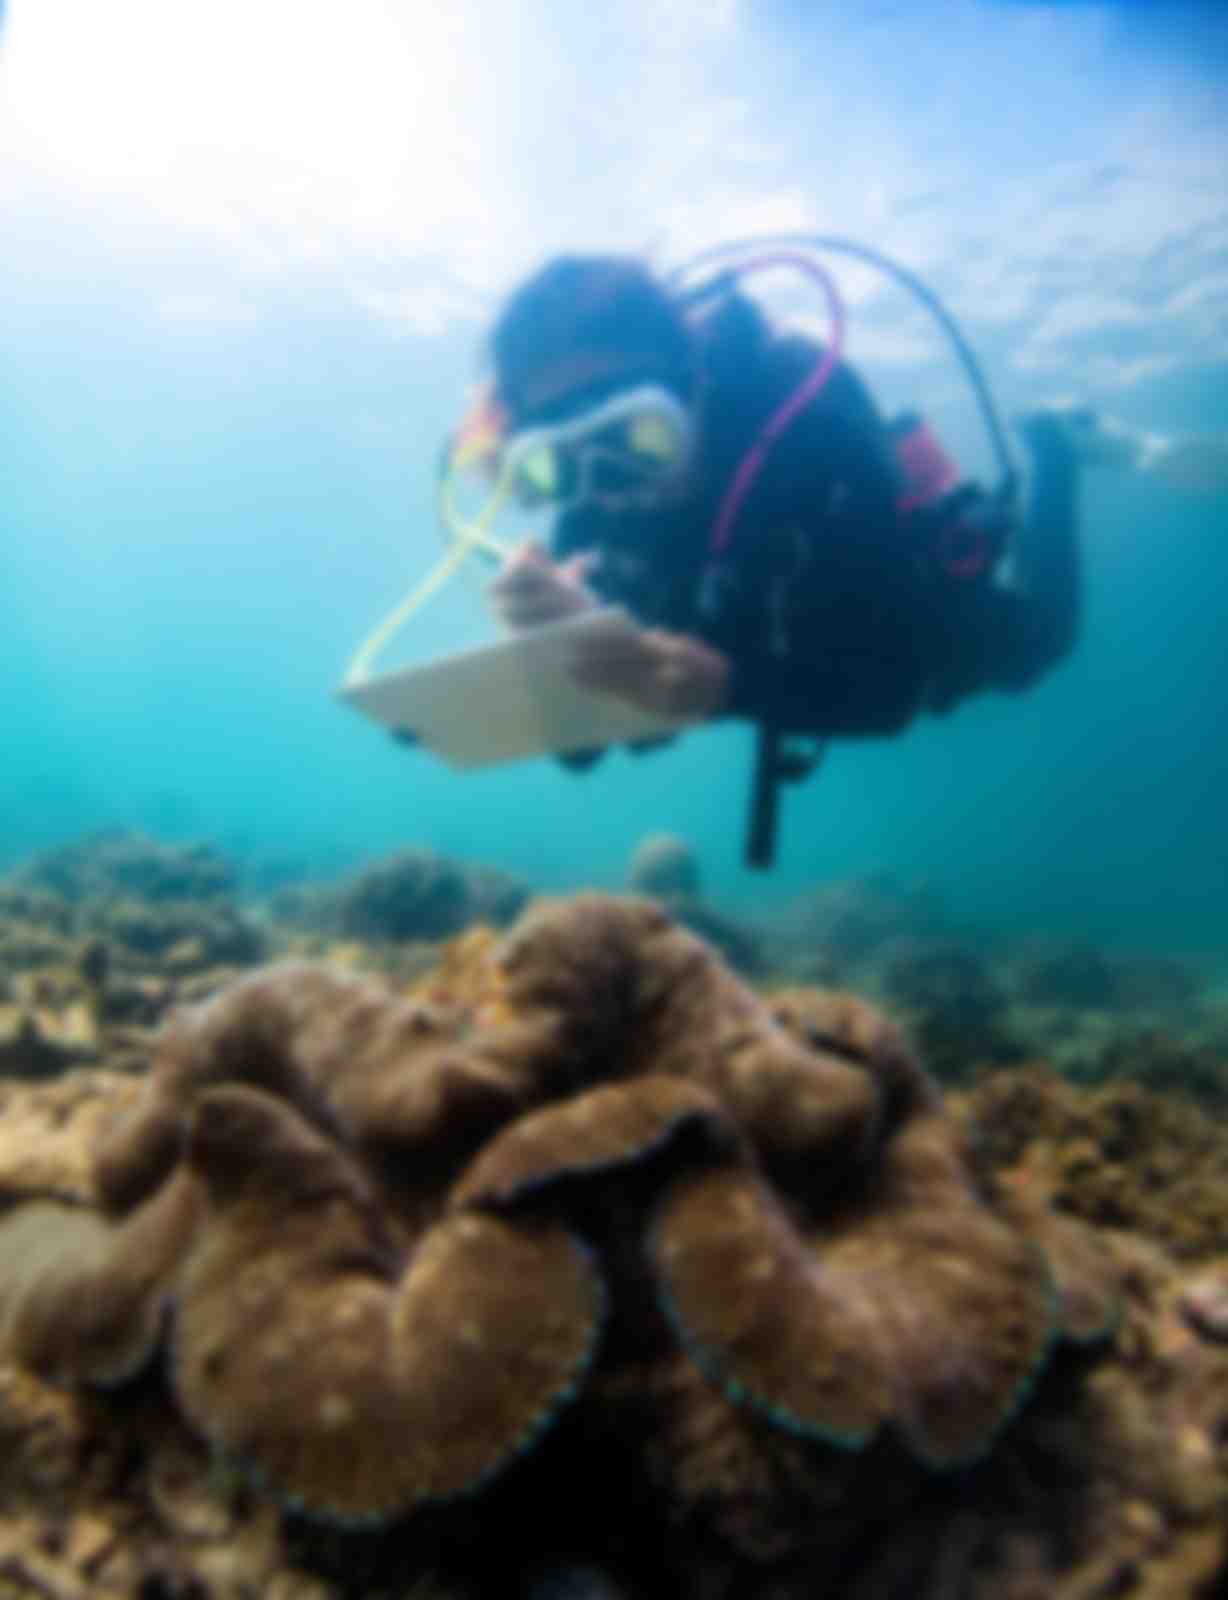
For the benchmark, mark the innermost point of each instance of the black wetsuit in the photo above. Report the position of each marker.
(839, 615)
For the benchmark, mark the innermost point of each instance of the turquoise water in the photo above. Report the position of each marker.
(235, 322)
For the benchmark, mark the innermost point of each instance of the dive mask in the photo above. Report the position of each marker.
(623, 453)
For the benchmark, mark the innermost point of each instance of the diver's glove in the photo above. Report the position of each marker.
(533, 589)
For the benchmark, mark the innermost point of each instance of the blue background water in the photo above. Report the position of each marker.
(235, 319)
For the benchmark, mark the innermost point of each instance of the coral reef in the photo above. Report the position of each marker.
(1155, 983)
(34, 908)
(178, 936)
(1101, 1017)
(124, 865)
(1067, 974)
(1122, 1155)
(570, 1266)
(35, 932)
(1187, 1057)
(1076, 975)
(51, 1131)
(951, 1004)
(1157, 1059)
(834, 932)
(972, 1001)
(584, 1198)
(667, 868)
(156, 912)
(52, 1017)
(412, 895)
(37, 1040)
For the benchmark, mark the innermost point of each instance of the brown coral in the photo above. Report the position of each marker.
(1121, 1156)
(388, 1228)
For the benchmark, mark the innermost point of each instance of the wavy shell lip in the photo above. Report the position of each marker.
(83, 1300)
(356, 1391)
(760, 1318)
(593, 1136)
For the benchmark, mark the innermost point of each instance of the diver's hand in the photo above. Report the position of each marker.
(531, 589)
(671, 673)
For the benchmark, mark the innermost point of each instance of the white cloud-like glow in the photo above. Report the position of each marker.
(287, 130)
(1084, 315)
(1052, 190)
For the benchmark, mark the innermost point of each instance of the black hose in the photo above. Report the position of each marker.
(850, 247)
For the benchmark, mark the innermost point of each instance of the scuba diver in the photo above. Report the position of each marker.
(854, 588)
(792, 557)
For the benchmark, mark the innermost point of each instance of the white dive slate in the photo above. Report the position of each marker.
(511, 699)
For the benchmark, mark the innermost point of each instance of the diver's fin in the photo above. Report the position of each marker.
(1095, 440)
(1194, 463)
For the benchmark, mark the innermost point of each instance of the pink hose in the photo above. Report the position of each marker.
(752, 462)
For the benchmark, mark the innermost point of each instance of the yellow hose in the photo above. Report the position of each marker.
(466, 537)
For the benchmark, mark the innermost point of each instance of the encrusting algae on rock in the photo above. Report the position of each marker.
(582, 1208)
